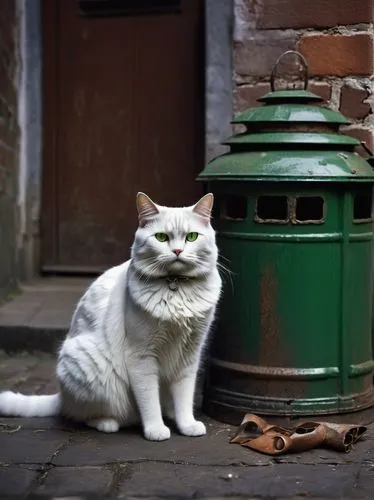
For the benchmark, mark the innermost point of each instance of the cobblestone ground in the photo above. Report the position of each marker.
(52, 458)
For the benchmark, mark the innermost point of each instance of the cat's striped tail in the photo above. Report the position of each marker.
(14, 404)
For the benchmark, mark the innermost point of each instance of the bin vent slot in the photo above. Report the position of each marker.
(309, 209)
(234, 207)
(272, 209)
(362, 207)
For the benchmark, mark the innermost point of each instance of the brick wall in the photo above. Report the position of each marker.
(9, 136)
(335, 36)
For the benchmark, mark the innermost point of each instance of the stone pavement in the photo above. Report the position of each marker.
(52, 458)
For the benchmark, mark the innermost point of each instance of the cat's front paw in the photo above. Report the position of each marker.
(194, 428)
(157, 432)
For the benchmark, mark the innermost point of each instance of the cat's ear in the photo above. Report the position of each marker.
(204, 206)
(146, 208)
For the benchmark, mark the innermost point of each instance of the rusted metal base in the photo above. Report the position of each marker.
(230, 408)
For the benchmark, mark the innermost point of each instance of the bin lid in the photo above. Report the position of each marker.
(290, 137)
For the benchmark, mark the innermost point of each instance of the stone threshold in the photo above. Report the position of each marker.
(38, 318)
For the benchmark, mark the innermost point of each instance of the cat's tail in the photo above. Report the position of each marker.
(14, 404)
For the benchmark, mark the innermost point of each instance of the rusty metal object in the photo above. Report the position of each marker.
(257, 434)
(341, 437)
(269, 343)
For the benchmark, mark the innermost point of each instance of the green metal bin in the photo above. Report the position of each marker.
(294, 225)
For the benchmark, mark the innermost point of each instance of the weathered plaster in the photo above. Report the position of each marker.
(29, 116)
(219, 84)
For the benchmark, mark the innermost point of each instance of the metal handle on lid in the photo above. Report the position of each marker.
(303, 63)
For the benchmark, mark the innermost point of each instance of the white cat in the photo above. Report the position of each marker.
(136, 336)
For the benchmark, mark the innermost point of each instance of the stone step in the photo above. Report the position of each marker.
(39, 316)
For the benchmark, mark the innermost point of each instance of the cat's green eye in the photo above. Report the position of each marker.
(161, 237)
(192, 236)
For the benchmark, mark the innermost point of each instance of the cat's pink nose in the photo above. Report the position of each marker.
(177, 251)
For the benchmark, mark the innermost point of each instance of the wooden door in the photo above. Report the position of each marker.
(123, 112)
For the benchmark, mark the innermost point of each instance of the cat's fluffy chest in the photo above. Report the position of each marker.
(180, 303)
(174, 321)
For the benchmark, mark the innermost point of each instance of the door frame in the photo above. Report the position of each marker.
(219, 15)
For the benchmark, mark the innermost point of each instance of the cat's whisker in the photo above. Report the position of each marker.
(224, 267)
(226, 272)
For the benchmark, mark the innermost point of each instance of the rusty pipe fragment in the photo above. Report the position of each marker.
(255, 433)
(340, 437)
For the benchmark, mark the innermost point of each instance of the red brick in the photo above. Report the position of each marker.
(313, 13)
(257, 56)
(351, 102)
(246, 96)
(362, 134)
(338, 55)
(323, 89)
